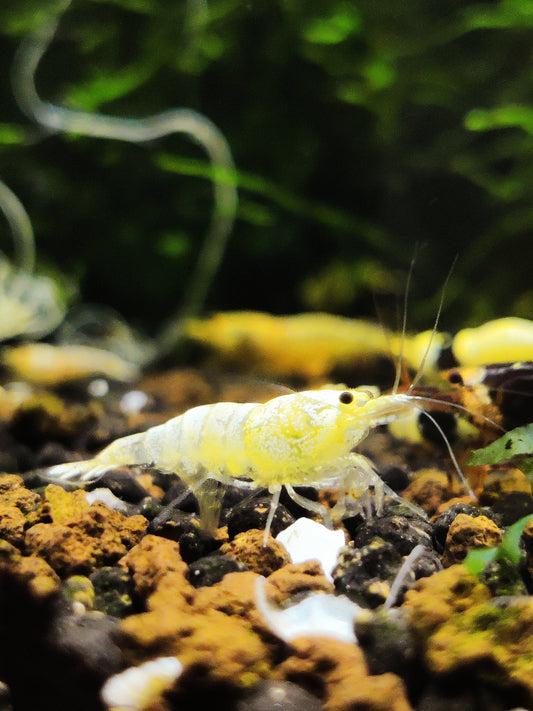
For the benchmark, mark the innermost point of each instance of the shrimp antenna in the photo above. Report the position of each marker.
(460, 408)
(181, 120)
(404, 322)
(420, 370)
(455, 463)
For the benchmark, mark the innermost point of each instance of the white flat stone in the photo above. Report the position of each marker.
(308, 540)
(107, 497)
(133, 402)
(319, 615)
(138, 687)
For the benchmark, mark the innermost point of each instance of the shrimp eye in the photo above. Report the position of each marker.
(455, 378)
(346, 398)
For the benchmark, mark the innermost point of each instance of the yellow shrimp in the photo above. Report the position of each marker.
(50, 365)
(298, 439)
(502, 340)
(308, 345)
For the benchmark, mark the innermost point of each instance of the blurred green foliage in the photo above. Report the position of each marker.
(509, 549)
(359, 128)
(515, 446)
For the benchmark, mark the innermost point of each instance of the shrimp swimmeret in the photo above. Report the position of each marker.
(300, 439)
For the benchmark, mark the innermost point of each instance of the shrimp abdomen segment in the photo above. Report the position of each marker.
(208, 437)
(204, 440)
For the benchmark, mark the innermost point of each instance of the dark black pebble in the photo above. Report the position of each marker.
(211, 569)
(149, 507)
(402, 532)
(110, 427)
(14, 456)
(443, 522)
(279, 695)
(464, 692)
(426, 564)
(51, 453)
(395, 477)
(163, 480)
(360, 573)
(49, 658)
(235, 495)
(364, 511)
(512, 506)
(172, 523)
(180, 496)
(8, 462)
(89, 638)
(122, 483)
(292, 507)
(114, 591)
(447, 423)
(196, 544)
(388, 644)
(397, 506)
(504, 578)
(366, 574)
(185, 528)
(253, 513)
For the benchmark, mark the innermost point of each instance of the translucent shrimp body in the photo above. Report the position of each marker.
(298, 439)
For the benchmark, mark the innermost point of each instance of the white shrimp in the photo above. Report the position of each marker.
(300, 439)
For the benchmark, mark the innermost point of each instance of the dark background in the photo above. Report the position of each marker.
(358, 129)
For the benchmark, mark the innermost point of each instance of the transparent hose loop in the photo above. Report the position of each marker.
(30, 305)
(21, 229)
(182, 120)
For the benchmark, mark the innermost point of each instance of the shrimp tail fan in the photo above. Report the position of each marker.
(85, 471)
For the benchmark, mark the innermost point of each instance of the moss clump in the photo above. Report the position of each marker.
(494, 642)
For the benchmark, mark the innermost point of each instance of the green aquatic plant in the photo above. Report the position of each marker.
(359, 129)
(516, 445)
(509, 549)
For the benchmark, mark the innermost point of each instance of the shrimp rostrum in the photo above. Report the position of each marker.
(300, 439)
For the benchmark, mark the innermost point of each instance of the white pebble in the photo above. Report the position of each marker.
(99, 387)
(137, 688)
(133, 402)
(319, 614)
(107, 497)
(78, 608)
(308, 540)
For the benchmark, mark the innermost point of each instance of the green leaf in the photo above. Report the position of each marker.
(277, 195)
(477, 559)
(380, 75)
(255, 214)
(344, 22)
(105, 87)
(140, 6)
(509, 116)
(525, 464)
(11, 134)
(514, 443)
(510, 546)
(173, 244)
(502, 15)
(509, 549)
(28, 16)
